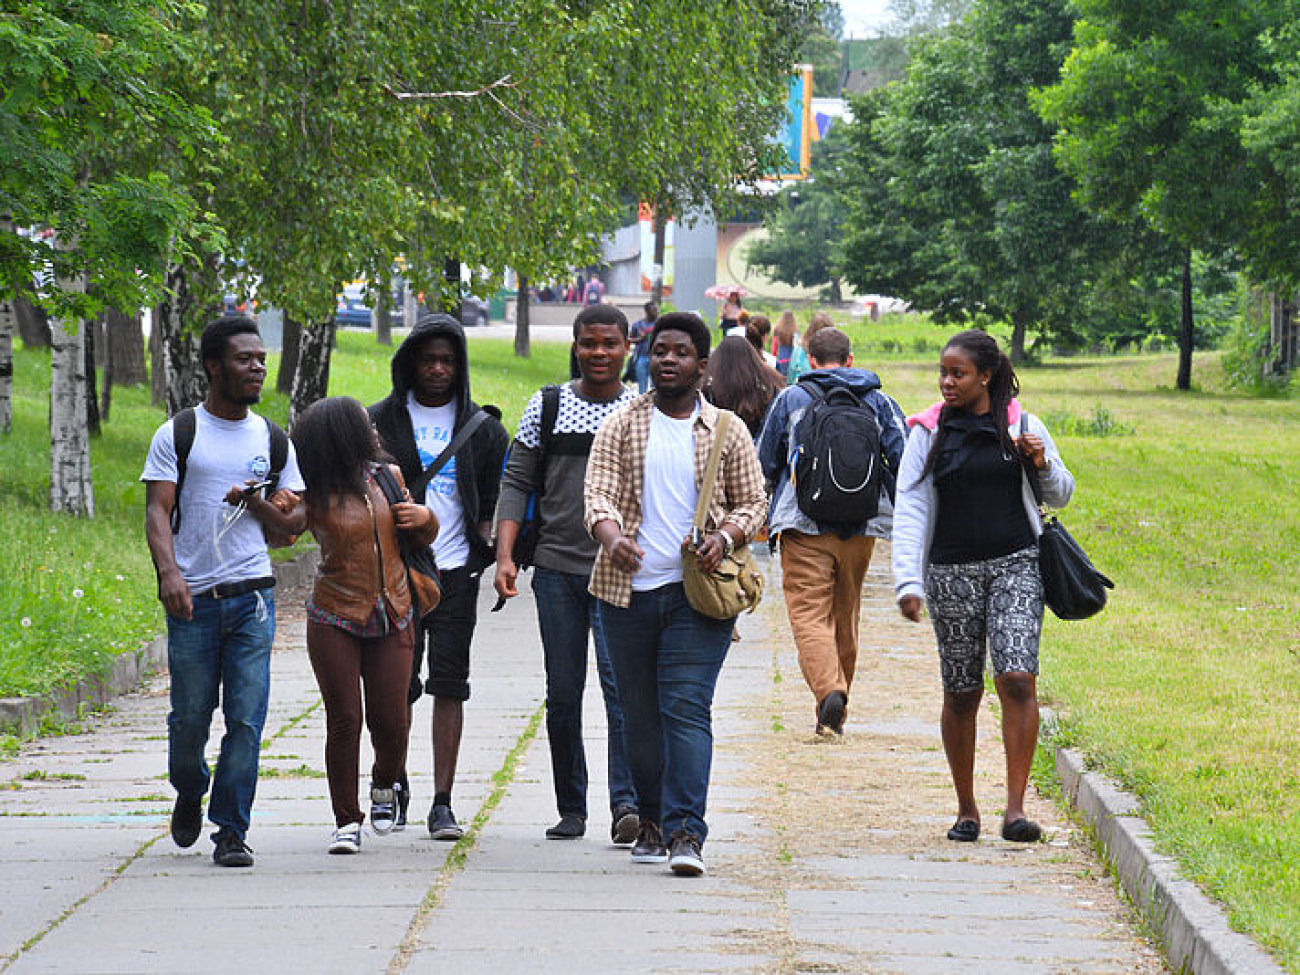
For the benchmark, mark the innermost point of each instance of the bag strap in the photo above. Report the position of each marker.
(711, 471)
(546, 434)
(1031, 475)
(388, 484)
(184, 424)
(449, 451)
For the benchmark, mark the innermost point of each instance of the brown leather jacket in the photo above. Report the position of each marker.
(353, 570)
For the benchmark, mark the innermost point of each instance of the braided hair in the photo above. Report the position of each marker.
(982, 349)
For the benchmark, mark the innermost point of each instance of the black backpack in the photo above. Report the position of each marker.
(838, 468)
(184, 425)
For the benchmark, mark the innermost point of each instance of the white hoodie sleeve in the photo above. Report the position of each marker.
(913, 517)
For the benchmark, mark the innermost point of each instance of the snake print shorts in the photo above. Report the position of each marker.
(998, 602)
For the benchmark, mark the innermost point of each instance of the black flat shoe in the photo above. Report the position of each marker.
(964, 831)
(1022, 831)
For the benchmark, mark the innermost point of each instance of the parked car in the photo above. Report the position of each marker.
(352, 310)
(474, 311)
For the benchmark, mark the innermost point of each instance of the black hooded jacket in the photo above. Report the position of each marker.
(478, 462)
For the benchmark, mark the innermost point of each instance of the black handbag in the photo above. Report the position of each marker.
(1073, 588)
(421, 569)
(525, 547)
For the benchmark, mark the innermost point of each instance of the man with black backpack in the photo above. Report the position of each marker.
(540, 522)
(831, 446)
(219, 479)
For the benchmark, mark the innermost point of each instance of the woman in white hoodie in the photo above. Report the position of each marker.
(965, 539)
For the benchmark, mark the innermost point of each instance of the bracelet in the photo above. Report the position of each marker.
(728, 543)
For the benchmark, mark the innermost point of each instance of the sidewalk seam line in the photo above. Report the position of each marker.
(72, 908)
(502, 779)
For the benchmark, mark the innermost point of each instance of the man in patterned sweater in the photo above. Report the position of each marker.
(549, 457)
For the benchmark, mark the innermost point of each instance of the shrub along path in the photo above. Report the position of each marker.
(825, 856)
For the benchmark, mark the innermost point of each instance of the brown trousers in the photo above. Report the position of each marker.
(822, 578)
(346, 666)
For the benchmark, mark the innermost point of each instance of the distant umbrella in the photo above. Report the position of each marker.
(724, 291)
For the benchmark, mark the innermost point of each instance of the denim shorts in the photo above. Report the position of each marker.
(448, 631)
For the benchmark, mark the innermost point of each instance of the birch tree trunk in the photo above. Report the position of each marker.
(311, 380)
(124, 348)
(157, 379)
(383, 314)
(290, 341)
(6, 365)
(70, 485)
(184, 382)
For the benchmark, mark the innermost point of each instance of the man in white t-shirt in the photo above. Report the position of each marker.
(208, 506)
(642, 485)
(428, 412)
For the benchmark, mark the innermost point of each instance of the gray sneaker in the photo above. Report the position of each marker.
(443, 825)
(649, 846)
(383, 810)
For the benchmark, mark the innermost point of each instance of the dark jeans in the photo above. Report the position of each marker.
(667, 658)
(224, 653)
(565, 615)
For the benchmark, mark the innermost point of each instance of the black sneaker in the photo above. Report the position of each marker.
(649, 846)
(830, 713)
(442, 823)
(187, 821)
(570, 827)
(685, 858)
(625, 825)
(231, 850)
(383, 809)
(403, 792)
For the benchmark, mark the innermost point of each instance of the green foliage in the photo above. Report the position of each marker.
(1102, 423)
(81, 105)
(955, 203)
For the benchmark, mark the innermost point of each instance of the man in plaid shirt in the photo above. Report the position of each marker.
(643, 481)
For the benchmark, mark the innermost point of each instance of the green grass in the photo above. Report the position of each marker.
(1186, 689)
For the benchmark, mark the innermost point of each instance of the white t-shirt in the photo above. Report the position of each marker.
(433, 426)
(217, 543)
(668, 501)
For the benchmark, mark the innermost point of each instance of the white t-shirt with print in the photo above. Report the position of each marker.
(218, 542)
(433, 426)
(668, 502)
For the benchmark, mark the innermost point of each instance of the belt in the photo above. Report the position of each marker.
(224, 590)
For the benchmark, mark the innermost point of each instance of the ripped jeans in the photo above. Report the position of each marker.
(222, 654)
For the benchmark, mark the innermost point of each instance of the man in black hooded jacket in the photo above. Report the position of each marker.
(428, 411)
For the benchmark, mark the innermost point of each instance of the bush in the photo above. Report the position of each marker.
(1102, 423)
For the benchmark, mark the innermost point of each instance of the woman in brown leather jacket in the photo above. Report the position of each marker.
(360, 632)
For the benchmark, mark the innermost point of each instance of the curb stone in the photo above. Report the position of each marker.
(1193, 928)
(23, 715)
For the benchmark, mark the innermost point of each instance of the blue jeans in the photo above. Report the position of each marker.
(565, 614)
(643, 373)
(667, 658)
(225, 650)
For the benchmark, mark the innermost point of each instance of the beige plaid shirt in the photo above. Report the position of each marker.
(616, 480)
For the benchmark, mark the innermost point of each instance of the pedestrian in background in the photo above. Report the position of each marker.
(791, 359)
(823, 563)
(738, 380)
(965, 539)
(639, 335)
(360, 620)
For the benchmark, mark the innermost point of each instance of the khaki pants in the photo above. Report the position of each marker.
(822, 578)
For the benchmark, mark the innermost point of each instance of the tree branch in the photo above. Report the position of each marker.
(406, 96)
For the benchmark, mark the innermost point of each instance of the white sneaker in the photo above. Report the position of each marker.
(347, 839)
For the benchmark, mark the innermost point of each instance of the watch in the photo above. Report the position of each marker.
(728, 543)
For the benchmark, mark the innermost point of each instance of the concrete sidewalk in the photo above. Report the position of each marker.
(824, 857)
